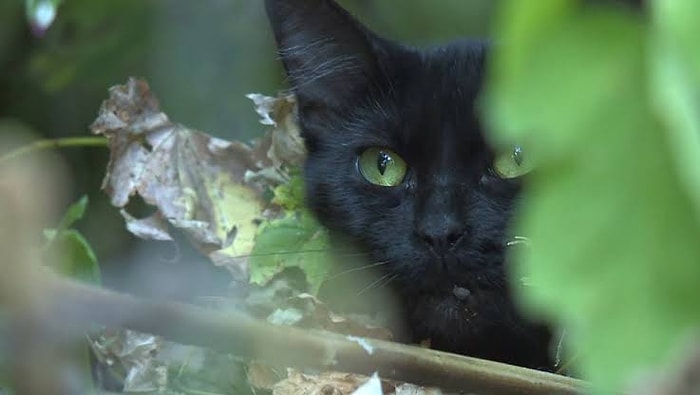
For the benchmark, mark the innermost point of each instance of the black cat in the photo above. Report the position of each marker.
(398, 164)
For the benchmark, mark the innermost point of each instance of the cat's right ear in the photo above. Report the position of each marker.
(327, 54)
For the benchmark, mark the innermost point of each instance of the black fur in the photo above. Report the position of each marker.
(445, 226)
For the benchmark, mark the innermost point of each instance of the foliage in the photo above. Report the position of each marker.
(213, 190)
(297, 240)
(290, 195)
(607, 101)
(68, 251)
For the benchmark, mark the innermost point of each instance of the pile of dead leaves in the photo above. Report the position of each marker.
(241, 205)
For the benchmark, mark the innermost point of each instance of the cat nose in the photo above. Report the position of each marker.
(441, 239)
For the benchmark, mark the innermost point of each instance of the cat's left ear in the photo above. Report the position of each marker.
(328, 55)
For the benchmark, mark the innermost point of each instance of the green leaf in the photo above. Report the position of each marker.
(75, 212)
(296, 240)
(676, 84)
(73, 257)
(614, 240)
(521, 25)
(68, 251)
(517, 105)
(290, 195)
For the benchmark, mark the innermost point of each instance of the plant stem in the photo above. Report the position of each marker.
(65, 142)
(73, 303)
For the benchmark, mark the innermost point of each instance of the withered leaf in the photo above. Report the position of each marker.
(286, 145)
(196, 182)
(411, 389)
(135, 354)
(154, 227)
(326, 383)
(373, 386)
(317, 315)
(263, 377)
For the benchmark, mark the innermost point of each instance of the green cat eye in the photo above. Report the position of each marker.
(382, 166)
(512, 163)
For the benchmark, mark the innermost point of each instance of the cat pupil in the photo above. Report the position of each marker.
(383, 161)
(518, 155)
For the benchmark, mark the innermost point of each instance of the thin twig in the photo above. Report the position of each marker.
(65, 142)
(249, 338)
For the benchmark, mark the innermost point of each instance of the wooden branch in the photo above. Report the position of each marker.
(254, 339)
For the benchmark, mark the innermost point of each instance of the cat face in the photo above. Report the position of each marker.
(398, 163)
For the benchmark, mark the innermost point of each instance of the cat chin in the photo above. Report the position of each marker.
(451, 323)
(482, 324)
(461, 306)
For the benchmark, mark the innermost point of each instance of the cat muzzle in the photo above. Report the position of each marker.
(461, 293)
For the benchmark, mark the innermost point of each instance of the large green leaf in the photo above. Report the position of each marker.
(676, 84)
(615, 250)
(521, 25)
(296, 240)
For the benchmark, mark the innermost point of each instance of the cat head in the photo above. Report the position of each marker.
(399, 163)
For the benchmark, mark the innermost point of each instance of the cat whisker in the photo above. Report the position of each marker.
(306, 49)
(380, 282)
(294, 252)
(519, 240)
(310, 72)
(355, 269)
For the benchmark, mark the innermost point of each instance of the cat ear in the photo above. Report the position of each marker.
(327, 54)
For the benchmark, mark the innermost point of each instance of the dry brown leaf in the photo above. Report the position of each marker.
(211, 190)
(262, 377)
(327, 383)
(318, 316)
(286, 145)
(136, 354)
(410, 389)
(373, 386)
(336, 383)
(206, 187)
(154, 227)
(196, 182)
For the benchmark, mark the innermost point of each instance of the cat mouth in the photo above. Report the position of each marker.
(465, 294)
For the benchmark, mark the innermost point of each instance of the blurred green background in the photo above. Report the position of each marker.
(200, 57)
